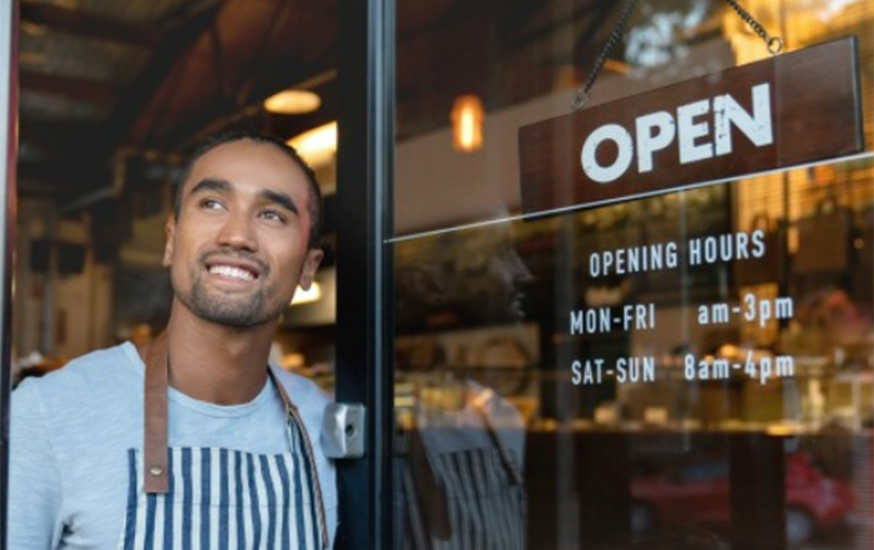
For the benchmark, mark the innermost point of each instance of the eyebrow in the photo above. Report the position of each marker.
(267, 195)
(281, 199)
(210, 184)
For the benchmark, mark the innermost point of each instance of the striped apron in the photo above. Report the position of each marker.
(185, 498)
(458, 500)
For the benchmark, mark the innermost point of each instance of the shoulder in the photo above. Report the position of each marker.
(303, 392)
(78, 415)
(74, 393)
(92, 371)
(308, 397)
(311, 401)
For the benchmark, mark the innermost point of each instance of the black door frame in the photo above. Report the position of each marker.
(366, 53)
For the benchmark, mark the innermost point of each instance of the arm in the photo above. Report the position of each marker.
(34, 521)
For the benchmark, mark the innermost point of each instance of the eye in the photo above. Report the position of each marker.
(211, 204)
(273, 215)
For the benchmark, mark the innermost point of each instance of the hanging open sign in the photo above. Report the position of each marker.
(786, 110)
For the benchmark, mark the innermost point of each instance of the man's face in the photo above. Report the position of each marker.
(239, 248)
(491, 281)
(479, 273)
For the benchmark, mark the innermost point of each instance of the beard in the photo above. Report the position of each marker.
(242, 312)
(237, 310)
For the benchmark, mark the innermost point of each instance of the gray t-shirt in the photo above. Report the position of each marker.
(71, 431)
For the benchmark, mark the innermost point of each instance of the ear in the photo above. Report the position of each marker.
(310, 266)
(170, 230)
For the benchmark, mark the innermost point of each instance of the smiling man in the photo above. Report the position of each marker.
(194, 442)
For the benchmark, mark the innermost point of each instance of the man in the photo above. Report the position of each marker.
(90, 465)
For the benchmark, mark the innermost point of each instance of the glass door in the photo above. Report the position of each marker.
(687, 367)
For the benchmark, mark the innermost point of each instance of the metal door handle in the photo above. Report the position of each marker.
(343, 430)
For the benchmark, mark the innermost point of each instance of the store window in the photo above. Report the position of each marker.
(546, 397)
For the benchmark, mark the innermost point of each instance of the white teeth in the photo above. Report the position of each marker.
(232, 272)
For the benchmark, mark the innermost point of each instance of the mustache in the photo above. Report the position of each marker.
(263, 267)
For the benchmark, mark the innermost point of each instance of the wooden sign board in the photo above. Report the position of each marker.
(786, 110)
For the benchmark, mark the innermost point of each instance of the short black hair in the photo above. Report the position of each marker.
(315, 203)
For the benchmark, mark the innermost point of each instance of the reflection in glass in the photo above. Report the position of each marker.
(459, 449)
(721, 397)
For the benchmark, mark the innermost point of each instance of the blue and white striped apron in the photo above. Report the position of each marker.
(214, 498)
(224, 499)
(458, 500)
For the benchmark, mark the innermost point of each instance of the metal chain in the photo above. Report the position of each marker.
(581, 96)
(774, 43)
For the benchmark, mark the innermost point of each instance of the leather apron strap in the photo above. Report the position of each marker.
(155, 444)
(293, 415)
(155, 408)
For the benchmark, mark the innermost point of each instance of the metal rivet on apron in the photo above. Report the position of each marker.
(156, 470)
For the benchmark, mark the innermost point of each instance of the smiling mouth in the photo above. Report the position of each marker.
(232, 272)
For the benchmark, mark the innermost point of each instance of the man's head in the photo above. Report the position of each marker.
(477, 273)
(314, 204)
(243, 233)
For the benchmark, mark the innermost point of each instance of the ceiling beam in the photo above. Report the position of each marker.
(89, 25)
(187, 28)
(93, 91)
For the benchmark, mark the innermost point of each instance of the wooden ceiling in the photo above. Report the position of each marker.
(95, 81)
(152, 76)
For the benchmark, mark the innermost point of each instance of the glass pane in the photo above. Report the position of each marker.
(691, 369)
(494, 67)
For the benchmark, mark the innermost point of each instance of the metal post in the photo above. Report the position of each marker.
(364, 222)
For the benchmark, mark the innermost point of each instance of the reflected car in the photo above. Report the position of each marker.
(700, 493)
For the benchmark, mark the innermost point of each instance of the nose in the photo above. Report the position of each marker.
(238, 233)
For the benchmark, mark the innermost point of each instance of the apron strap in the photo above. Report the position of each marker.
(155, 418)
(293, 415)
(507, 460)
(155, 446)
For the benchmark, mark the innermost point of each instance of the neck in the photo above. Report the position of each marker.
(217, 363)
